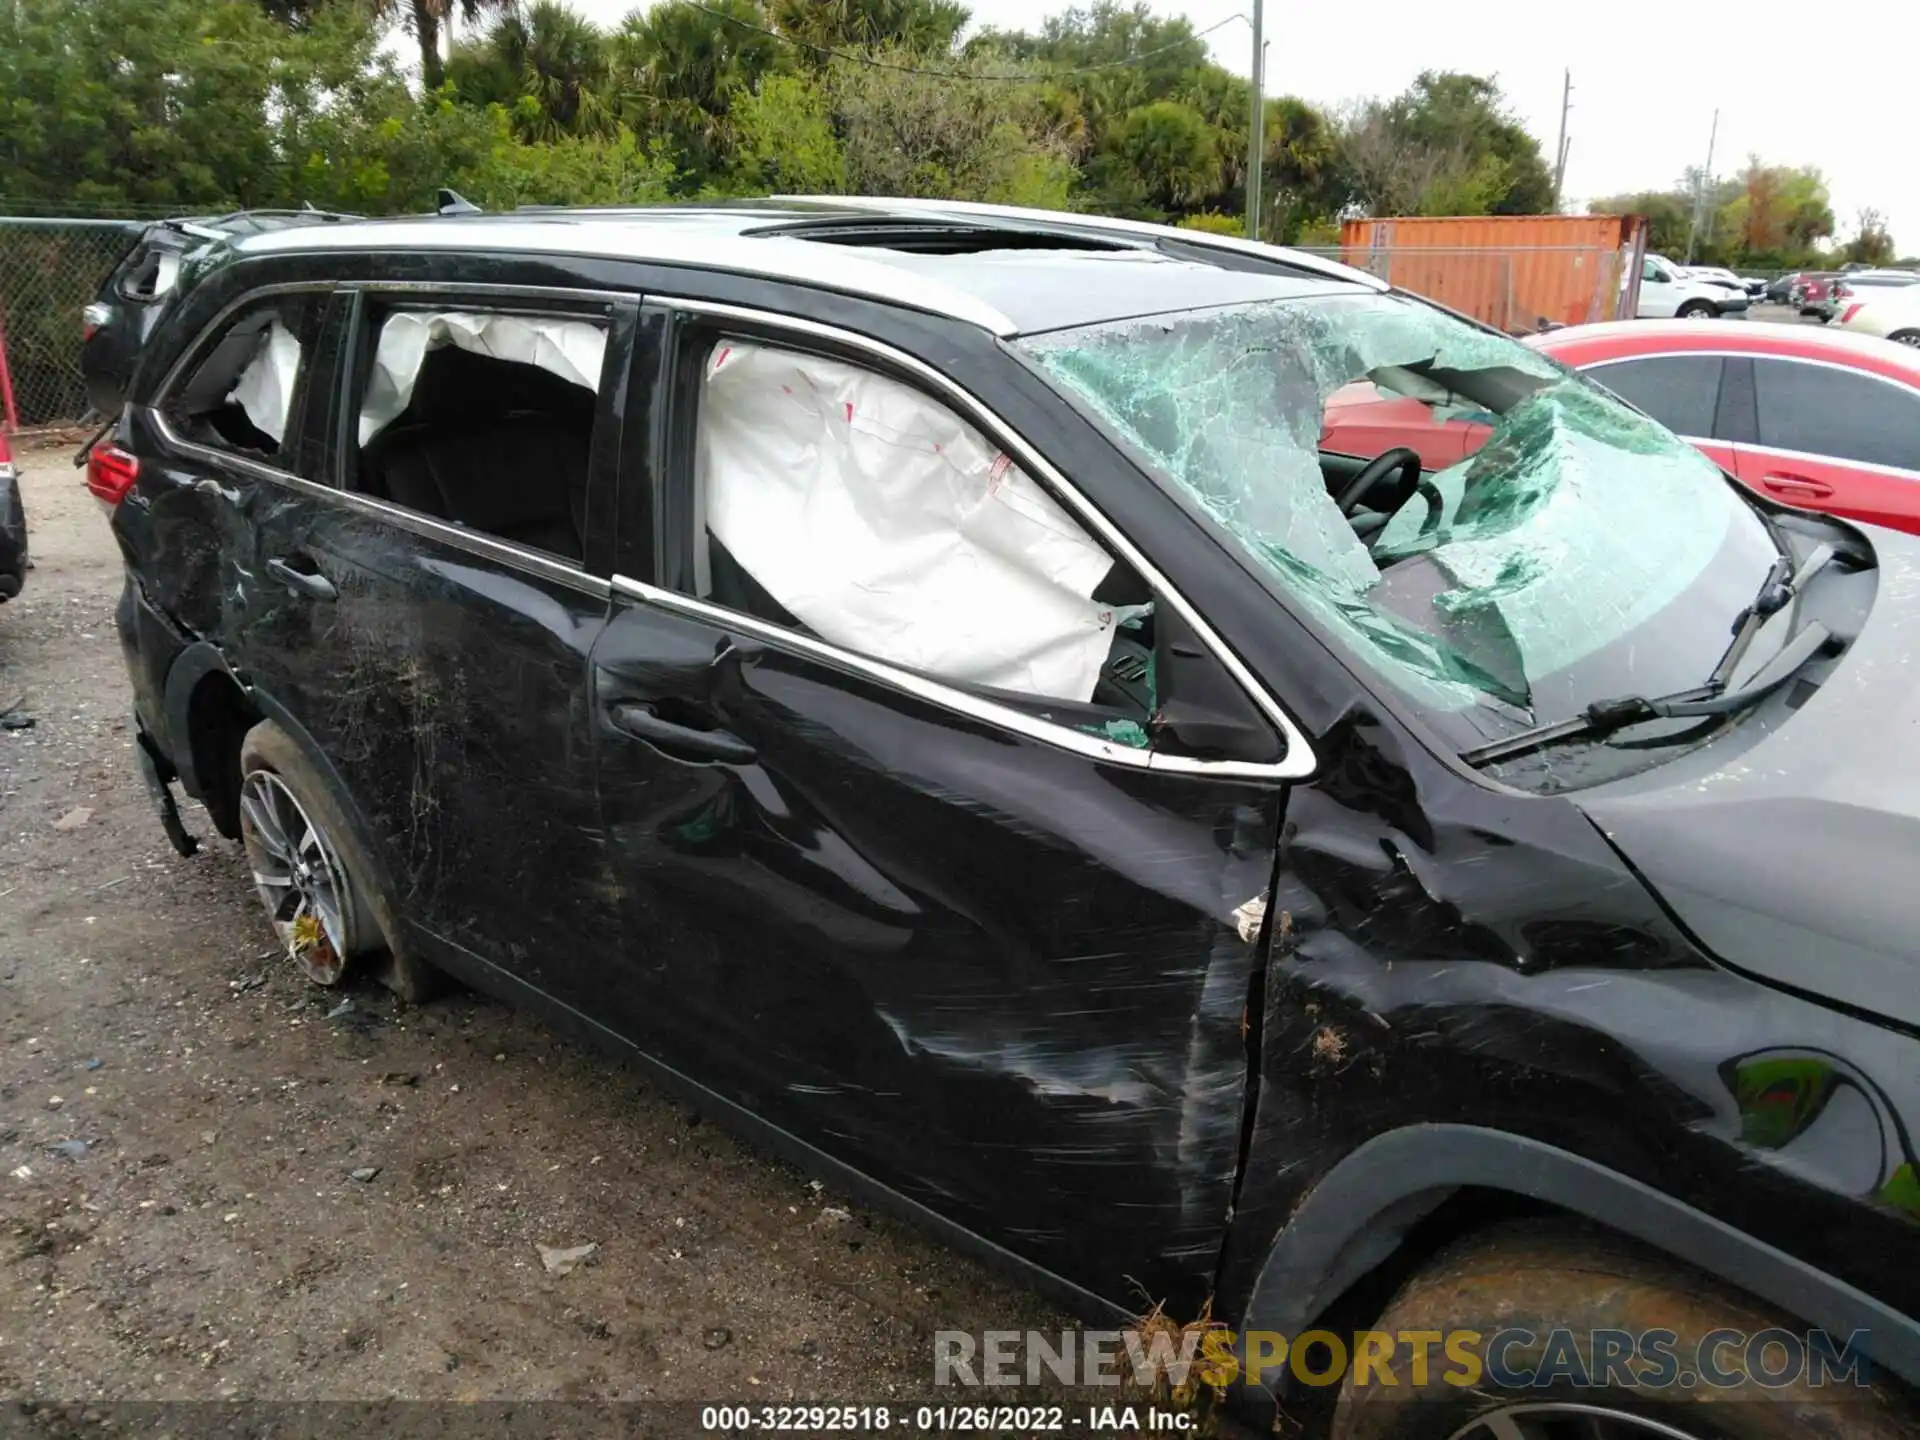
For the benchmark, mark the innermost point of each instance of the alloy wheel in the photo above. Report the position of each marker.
(1569, 1422)
(299, 876)
(1909, 337)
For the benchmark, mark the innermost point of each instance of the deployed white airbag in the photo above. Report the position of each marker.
(265, 388)
(886, 524)
(571, 349)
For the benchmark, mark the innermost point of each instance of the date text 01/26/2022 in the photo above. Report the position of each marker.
(943, 1419)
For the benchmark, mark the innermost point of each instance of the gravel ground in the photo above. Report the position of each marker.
(215, 1184)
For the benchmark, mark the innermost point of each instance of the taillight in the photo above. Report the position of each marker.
(92, 318)
(111, 472)
(1851, 311)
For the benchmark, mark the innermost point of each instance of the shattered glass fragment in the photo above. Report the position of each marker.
(1576, 521)
(1121, 732)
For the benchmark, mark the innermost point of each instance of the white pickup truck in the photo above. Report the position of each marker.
(1667, 291)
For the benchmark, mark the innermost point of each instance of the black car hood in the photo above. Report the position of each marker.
(1799, 860)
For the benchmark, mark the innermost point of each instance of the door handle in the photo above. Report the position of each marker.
(302, 582)
(682, 742)
(1797, 486)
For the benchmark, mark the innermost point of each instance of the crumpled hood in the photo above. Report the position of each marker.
(1799, 861)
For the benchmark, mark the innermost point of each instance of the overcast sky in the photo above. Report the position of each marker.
(1839, 93)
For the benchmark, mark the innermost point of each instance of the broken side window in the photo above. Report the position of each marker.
(847, 504)
(484, 420)
(239, 397)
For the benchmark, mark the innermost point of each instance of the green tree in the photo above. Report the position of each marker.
(1446, 145)
(1212, 222)
(142, 102)
(1668, 213)
(1172, 151)
(784, 140)
(907, 133)
(1299, 180)
(1871, 244)
(923, 27)
(679, 69)
(1153, 56)
(1466, 115)
(426, 20)
(549, 65)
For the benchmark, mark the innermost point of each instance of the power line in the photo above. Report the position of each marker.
(1015, 78)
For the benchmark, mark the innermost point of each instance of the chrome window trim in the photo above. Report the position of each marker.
(532, 562)
(538, 563)
(1297, 760)
(534, 295)
(1004, 717)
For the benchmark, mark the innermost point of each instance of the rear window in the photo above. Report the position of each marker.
(149, 273)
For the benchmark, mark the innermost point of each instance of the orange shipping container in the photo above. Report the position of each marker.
(1519, 273)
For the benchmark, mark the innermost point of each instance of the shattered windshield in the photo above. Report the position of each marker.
(1496, 536)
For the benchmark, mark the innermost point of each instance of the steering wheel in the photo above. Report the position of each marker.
(1400, 458)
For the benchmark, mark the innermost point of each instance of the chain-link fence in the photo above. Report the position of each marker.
(49, 270)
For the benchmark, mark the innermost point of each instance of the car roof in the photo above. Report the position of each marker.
(1052, 272)
(1621, 339)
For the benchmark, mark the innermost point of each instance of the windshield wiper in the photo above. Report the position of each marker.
(1604, 717)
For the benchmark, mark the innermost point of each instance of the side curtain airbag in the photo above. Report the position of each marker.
(888, 525)
(265, 388)
(571, 349)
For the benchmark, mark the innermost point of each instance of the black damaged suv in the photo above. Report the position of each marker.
(913, 675)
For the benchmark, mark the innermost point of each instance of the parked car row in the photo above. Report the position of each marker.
(1861, 286)
(1821, 294)
(1196, 774)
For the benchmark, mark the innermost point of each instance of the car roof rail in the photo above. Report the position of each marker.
(451, 202)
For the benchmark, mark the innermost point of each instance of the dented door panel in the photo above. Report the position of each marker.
(191, 528)
(445, 680)
(1002, 978)
(448, 689)
(1445, 953)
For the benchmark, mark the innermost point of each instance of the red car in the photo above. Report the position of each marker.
(1824, 420)
(1814, 288)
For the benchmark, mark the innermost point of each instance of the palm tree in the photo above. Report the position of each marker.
(424, 20)
(679, 66)
(548, 55)
(926, 27)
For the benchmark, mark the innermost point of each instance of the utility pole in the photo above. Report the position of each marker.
(1701, 188)
(1257, 125)
(1560, 150)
